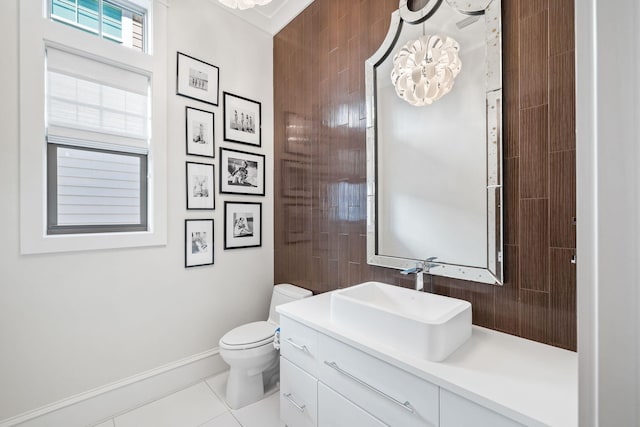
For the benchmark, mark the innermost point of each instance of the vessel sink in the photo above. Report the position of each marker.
(423, 325)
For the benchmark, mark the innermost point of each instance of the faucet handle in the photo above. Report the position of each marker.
(419, 268)
(429, 263)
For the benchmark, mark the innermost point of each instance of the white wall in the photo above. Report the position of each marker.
(608, 154)
(72, 322)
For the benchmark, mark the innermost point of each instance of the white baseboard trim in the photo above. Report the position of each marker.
(100, 404)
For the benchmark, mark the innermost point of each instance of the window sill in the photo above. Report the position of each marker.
(33, 244)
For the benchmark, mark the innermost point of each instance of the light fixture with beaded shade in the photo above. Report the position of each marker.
(424, 70)
(243, 4)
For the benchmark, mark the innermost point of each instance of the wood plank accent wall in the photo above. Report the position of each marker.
(320, 162)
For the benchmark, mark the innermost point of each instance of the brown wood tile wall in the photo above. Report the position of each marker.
(320, 162)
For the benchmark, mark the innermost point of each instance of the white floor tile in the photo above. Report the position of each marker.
(187, 408)
(219, 384)
(106, 424)
(265, 413)
(225, 420)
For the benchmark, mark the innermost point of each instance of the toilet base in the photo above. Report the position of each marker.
(244, 389)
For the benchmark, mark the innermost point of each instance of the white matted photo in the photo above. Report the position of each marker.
(200, 186)
(197, 79)
(198, 246)
(241, 172)
(200, 132)
(242, 225)
(242, 120)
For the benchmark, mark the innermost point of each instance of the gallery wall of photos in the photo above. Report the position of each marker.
(240, 172)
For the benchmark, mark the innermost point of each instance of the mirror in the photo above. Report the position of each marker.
(434, 172)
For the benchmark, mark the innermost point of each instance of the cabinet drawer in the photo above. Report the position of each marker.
(390, 394)
(456, 411)
(298, 396)
(299, 344)
(336, 411)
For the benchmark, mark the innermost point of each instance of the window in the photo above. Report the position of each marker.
(95, 191)
(97, 121)
(113, 20)
(92, 125)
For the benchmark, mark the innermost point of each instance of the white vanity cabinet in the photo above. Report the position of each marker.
(493, 380)
(324, 382)
(327, 383)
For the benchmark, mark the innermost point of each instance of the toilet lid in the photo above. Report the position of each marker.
(250, 335)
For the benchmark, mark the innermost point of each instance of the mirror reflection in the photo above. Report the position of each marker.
(434, 155)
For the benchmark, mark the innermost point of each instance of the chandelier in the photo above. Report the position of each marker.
(243, 4)
(424, 69)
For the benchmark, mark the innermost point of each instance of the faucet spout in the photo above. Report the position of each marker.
(418, 270)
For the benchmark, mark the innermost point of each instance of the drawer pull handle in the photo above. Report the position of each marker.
(406, 405)
(288, 396)
(302, 348)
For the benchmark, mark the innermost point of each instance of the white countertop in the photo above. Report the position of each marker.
(532, 383)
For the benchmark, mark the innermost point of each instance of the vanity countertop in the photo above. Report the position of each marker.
(532, 383)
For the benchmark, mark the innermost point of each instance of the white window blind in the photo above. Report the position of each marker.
(98, 136)
(91, 103)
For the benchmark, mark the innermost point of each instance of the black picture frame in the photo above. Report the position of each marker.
(246, 178)
(242, 225)
(199, 242)
(200, 180)
(236, 128)
(194, 77)
(200, 132)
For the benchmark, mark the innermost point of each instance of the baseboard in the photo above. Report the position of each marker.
(92, 407)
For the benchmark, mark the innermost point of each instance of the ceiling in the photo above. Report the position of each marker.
(271, 17)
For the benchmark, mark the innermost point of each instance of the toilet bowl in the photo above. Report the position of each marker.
(250, 354)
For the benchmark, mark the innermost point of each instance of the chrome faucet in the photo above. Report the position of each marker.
(429, 263)
(419, 270)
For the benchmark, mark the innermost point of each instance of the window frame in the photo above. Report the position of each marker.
(37, 32)
(53, 228)
(140, 7)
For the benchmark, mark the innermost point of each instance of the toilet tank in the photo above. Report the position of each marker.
(282, 294)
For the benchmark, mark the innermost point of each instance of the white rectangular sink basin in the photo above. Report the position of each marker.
(423, 325)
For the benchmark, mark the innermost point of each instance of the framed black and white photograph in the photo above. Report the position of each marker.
(200, 186)
(242, 120)
(200, 132)
(198, 243)
(241, 172)
(242, 225)
(197, 79)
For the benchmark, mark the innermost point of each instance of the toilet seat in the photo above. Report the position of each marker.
(250, 335)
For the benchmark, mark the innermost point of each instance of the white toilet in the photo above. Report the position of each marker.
(249, 351)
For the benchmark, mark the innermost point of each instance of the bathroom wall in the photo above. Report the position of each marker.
(72, 322)
(320, 162)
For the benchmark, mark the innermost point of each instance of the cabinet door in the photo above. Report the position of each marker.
(299, 344)
(456, 411)
(336, 411)
(392, 395)
(298, 396)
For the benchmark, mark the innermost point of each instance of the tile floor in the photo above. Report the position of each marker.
(201, 405)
